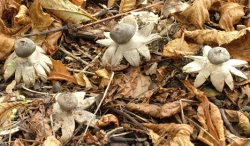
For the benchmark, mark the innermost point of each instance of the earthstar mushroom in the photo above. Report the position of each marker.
(217, 64)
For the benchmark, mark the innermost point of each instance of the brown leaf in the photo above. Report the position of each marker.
(134, 84)
(6, 46)
(78, 2)
(83, 80)
(111, 3)
(197, 14)
(60, 72)
(127, 5)
(17, 142)
(240, 118)
(22, 17)
(210, 119)
(235, 140)
(164, 111)
(5, 110)
(40, 21)
(231, 14)
(50, 42)
(51, 141)
(179, 134)
(40, 126)
(107, 120)
(179, 47)
(66, 11)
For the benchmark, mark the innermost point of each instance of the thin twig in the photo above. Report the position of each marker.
(96, 57)
(37, 92)
(98, 107)
(73, 56)
(227, 123)
(77, 70)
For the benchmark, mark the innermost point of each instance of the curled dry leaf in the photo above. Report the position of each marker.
(105, 75)
(209, 117)
(66, 11)
(51, 141)
(197, 14)
(17, 142)
(231, 14)
(108, 119)
(164, 111)
(127, 5)
(179, 134)
(60, 72)
(40, 21)
(179, 47)
(83, 80)
(22, 16)
(240, 118)
(66, 112)
(6, 46)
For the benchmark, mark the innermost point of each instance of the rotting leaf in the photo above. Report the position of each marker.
(164, 111)
(179, 134)
(66, 11)
(237, 116)
(179, 47)
(60, 72)
(231, 14)
(127, 5)
(197, 14)
(209, 117)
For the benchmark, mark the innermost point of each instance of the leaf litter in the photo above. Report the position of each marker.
(83, 93)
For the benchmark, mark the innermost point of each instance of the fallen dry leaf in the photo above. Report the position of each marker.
(78, 2)
(231, 14)
(6, 46)
(108, 119)
(105, 75)
(164, 111)
(179, 134)
(133, 84)
(66, 11)
(210, 119)
(127, 5)
(50, 42)
(22, 16)
(51, 141)
(83, 80)
(40, 21)
(179, 47)
(240, 118)
(60, 72)
(5, 110)
(111, 3)
(197, 14)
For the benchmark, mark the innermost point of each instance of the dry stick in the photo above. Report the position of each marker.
(99, 105)
(227, 123)
(73, 56)
(65, 27)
